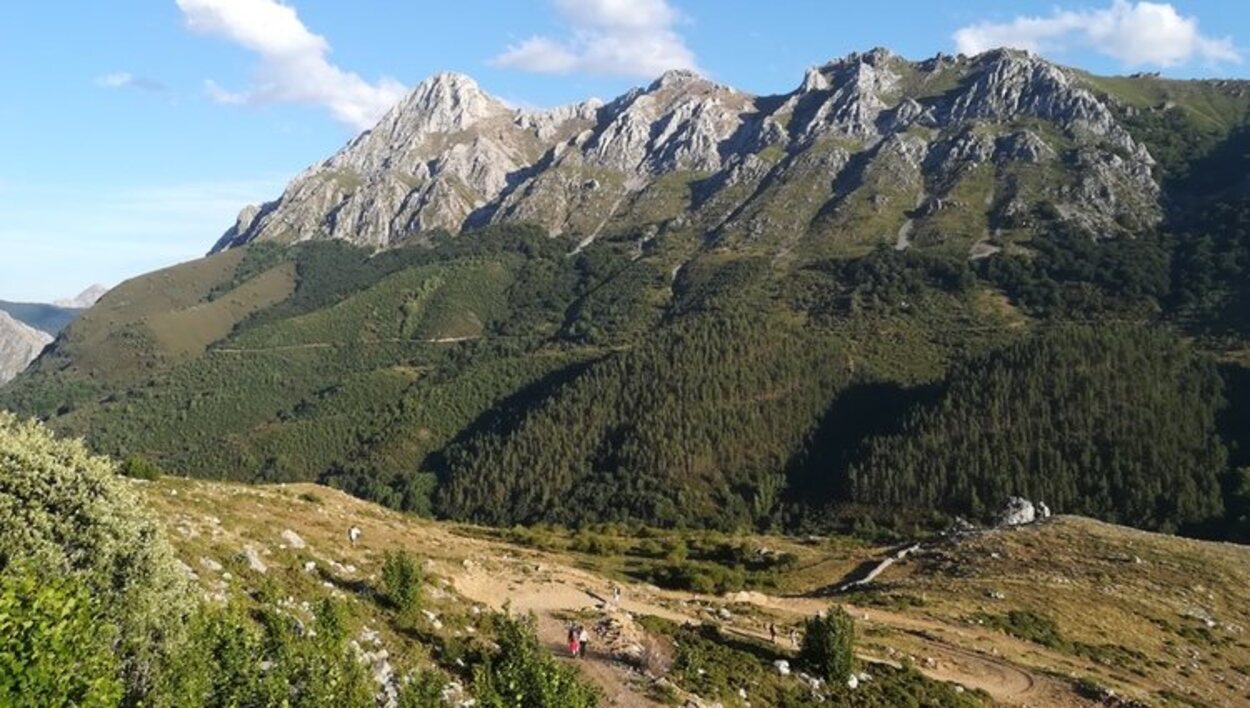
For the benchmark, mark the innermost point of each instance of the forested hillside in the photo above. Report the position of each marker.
(1113, 422)
(657, 373)
(488, 377)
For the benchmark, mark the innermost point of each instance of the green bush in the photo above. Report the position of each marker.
(67, 513)
(524, 673)
(140, 467)
(232, 659)
(401, 580)
(598, 544)
(704, 578)
(95, 611)
(55, 648)
(421, 690)
(829, 645)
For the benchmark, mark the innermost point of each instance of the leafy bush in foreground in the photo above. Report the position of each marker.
(54, 649)
(68, 514)
(234, 660)
(524, 673)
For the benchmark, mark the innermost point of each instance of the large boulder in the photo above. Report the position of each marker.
(1018, 511)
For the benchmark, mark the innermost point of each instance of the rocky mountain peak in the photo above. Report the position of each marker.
(444, 103)
(674, 77)
(450, 156)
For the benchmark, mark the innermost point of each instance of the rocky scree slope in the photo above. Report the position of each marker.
(954, 151)
(19, 345)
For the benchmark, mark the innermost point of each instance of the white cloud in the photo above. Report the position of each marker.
(293, 67)
(1137, 34)
(125, 79)
(612, 37)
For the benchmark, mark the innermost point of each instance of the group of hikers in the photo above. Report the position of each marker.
(795, 639)
(579, 638)
(579, 641)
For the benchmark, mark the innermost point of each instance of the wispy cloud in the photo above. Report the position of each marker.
(1136, 34)
(127, 80)
(293, 61)
(610, 37)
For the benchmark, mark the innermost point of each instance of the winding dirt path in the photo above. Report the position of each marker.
(945, 660)
(495, 574)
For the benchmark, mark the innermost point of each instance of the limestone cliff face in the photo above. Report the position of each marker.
(19, 345)
(871, 144)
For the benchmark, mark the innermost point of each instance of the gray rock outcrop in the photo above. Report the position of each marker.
(19, 345)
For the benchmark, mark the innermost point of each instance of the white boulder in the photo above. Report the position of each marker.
(1018, 511)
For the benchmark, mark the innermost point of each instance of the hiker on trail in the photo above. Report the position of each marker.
(583, 641)
(616, 594)
(574, 644)
(772, 632)
(353, 535)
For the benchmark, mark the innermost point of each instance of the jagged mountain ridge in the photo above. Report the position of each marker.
(868, 149)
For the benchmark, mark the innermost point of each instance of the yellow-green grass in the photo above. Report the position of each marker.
(188, 331)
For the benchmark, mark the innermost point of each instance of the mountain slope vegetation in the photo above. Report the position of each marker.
(1064, 417)
(731, 342)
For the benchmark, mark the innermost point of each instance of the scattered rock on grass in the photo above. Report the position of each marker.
(252, 555)
(292, 539)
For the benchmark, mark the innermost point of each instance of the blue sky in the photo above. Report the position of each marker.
(134, 130)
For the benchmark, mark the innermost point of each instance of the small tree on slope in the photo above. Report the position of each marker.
(828, 649)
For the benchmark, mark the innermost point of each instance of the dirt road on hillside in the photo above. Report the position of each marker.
(495, 574)
(1005, 682)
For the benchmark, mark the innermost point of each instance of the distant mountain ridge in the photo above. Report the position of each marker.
(40, 315)
(84, 299)
(869, 149)
(27, 327)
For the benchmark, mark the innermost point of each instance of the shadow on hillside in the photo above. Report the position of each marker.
(818, 475)
(505, 416)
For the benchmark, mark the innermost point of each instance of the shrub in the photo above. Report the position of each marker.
(523, 672)
(1028, 625)
(231, 659)
(829, 645)
(68, 514)
(140, 467)
(401, 580)
(598, 544)
(421, 690)
(54, 650)
(703, 578)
